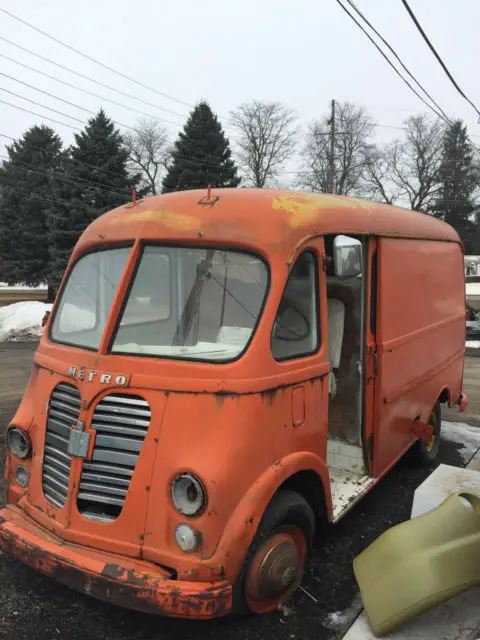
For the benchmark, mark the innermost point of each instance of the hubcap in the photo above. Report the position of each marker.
(275, 569)
(278, 569)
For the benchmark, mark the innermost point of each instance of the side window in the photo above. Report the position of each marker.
(296, 329)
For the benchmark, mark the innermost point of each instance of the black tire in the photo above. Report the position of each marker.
(286, 508)
(424, 454)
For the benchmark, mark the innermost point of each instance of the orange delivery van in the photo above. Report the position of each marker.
(222, 372)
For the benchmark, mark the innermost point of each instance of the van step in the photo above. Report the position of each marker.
(347, 488)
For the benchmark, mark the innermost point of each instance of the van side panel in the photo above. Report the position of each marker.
(421, 337)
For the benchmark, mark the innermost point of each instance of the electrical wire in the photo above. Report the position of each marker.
(40, 115)
(39, 104)
(445, 119)
(94, 60)
(97, 82)
(51, 95)
(79, 182)
(191, 159)
(41, 197)
(382, 53)
(90, 93)
(70, 159)
(388, 45)
(437, 56)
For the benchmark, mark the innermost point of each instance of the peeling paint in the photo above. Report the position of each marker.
(170, 219)
(125, 587)
(303, 208)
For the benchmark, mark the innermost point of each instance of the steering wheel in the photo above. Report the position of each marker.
(288, 331)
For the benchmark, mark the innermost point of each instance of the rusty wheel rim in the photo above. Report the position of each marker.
(431, 443)
(276, 569)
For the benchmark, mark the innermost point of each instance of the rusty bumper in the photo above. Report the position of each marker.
(129, 583)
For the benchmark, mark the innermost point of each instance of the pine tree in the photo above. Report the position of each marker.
(27, 192)
(97, 180)
(201, 155)
(459, 177)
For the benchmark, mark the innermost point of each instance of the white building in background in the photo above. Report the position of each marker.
(472, 284)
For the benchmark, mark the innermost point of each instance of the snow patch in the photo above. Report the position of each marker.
(341, 621)
(472, 344)
(23, 287)
(22, 320)
(464, 435)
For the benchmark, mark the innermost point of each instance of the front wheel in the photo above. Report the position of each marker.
(275, 562)
(425, 453)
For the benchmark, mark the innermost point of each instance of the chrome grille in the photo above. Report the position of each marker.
(121, 423)
(63, 412)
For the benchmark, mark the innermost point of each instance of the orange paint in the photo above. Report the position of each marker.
(244, 426)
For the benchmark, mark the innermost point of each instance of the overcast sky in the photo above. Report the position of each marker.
(302, 53)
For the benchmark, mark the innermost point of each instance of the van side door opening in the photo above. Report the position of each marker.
(347, 305)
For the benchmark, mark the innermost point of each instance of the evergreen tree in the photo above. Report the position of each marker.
(27, 192)
(459, 177)
(98, 180)
(201, 155)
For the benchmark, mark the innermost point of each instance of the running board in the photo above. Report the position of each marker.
(347, 489)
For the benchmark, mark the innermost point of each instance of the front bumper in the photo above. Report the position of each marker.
(129, 583)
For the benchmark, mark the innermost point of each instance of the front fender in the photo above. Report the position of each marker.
(242, 525)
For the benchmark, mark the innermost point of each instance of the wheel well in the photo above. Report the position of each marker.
(444, 396)
(309, 485)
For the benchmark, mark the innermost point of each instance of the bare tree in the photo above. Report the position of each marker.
(415, 162)
(378, 183)
(267, 138)
(354, 128)
(148, 151)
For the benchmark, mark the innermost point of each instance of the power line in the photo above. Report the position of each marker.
(437, 56)
(103, 98)
(382, 53)
(192, 159)
(51, 95)
(445, 119)
(39, 115)
(70, 159)
(90, 93)
(387, 44)
(87, 57)
(79, 182)
(85, 77)
(39, 104)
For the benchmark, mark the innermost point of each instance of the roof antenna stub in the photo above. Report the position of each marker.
(208, 200)
(134, 201)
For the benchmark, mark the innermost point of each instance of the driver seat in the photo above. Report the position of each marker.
(336, 323)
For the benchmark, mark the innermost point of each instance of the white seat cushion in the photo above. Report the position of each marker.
(336, 321)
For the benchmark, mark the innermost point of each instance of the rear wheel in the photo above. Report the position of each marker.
(276, 560)
(425, 453)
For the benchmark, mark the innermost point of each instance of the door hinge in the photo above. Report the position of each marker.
(374, 354)
(79, 441)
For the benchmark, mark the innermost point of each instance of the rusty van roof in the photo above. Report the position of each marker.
(264, 218)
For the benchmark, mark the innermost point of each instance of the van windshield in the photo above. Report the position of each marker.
(191, 303)
(86, 299)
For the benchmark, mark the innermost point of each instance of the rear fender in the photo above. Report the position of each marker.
(242, 526)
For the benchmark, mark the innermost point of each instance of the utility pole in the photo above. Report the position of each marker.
(331, 171)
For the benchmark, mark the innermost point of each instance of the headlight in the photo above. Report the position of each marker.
(187, 538)
(188, 494)
(19, 442)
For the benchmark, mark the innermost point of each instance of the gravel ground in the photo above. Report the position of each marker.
(35, 607)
